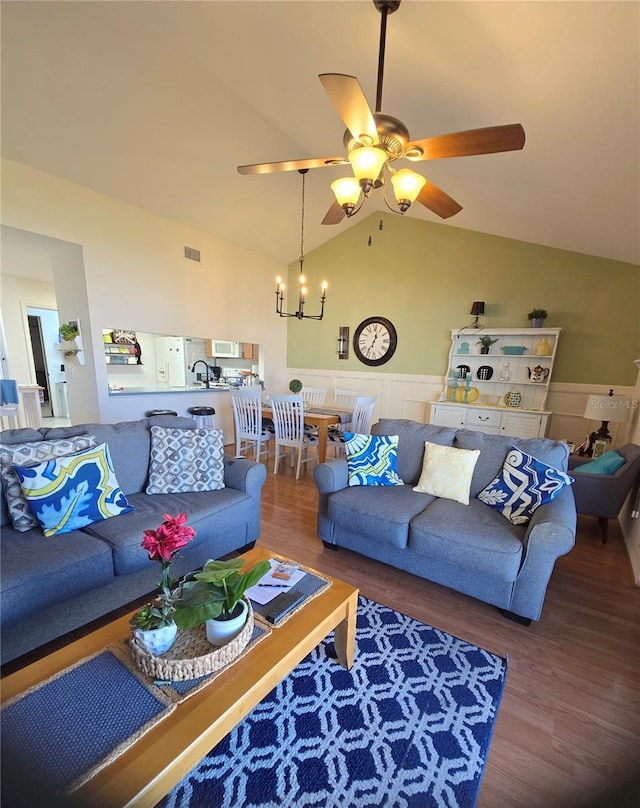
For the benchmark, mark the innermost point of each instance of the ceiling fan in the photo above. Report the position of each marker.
(374, 141)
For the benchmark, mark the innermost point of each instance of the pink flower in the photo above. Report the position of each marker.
(164, 542)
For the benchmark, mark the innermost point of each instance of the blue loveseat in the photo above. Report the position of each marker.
(50, 586)
(471, 548)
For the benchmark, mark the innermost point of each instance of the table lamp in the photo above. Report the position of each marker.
(608, 409)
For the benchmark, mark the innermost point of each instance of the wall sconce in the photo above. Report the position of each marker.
(343, 342)
(477, 309)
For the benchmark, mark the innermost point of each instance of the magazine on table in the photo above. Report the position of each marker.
(281, 578)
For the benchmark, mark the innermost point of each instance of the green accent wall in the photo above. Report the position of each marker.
(424, 277)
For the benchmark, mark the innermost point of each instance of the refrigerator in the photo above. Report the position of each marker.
(171, 358)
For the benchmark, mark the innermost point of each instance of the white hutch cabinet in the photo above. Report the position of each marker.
(518, 368)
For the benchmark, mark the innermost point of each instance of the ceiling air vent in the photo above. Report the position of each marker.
(192, 254)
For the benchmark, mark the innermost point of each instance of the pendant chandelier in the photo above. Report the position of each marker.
(302, 291)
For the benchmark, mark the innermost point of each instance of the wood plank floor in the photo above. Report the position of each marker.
(568, 728)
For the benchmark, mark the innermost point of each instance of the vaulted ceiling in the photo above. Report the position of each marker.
(156, 103)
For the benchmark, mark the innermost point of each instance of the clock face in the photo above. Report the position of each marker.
(375, 341)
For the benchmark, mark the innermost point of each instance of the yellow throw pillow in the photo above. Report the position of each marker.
(447, 472)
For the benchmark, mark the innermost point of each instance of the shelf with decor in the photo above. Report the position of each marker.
(501, 391)
(120, 348)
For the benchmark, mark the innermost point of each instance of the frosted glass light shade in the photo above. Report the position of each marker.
(367, 162)
(407, 185)
(346, 190)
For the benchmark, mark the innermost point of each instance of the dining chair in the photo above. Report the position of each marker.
(247, 417)
(346, 398)
(360, 423)
(288, 420)
(314, 396)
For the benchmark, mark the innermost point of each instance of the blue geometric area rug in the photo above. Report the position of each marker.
(408, 726)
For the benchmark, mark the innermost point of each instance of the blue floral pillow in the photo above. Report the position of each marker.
(523, 486)
(71, 492)
(372, 459)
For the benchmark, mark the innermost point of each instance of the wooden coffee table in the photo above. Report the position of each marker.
(157, 762)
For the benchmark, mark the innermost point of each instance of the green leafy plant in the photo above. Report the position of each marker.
(69, 331)
(295, 385)
(214, 592)
(537, 314)
(486, 341)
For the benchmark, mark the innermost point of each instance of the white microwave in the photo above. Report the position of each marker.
(221, 348)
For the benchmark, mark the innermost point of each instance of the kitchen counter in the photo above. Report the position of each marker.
(137, 391)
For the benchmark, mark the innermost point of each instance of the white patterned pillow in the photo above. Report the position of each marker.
(185, 460)
(523, 485)
(447, 472)
(32, 454)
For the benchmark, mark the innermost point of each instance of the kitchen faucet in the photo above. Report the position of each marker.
(193, 367)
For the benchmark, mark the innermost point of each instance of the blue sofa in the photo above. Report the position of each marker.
(50, 586)
(471, 548)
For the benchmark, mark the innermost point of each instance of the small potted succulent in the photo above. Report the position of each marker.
(485, 342)
(214, 596)
(536, 317)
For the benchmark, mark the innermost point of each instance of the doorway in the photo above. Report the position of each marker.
(40, 364)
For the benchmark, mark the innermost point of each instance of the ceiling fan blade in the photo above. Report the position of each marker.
(334, 215)
(437, 201)
(490, 140)
(292, 165)
(347, 97)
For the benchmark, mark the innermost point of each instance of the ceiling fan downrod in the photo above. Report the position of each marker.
(385, 7)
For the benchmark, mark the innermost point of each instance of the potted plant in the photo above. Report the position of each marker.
(154, 625)
(214, 596)
(536, 317)
(295, 385)
(485, 343)
(68, 333)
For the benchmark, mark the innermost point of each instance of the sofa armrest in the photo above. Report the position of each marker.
(244, 475)
(550, 534)
(329, 477)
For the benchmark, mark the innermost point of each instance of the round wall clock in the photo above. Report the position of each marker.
(375, 341)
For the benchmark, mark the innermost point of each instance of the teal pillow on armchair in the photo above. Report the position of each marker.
(608, 463)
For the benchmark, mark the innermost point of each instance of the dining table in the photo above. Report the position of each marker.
(321, 418)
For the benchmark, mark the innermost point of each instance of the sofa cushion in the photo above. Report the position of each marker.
(523, 485)
(383, 513)
(32, 454)
(470, 536)
(411, 439)
(185, 460)
(447, 472)
(38, 572)
(68, 493)
(494, 449)
(227, 508)
(372, 459)
(608, 463)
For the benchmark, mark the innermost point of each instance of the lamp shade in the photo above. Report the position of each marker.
(407, 185)
(346, 191)
(367, 162)
(608, 408)
(477, 308)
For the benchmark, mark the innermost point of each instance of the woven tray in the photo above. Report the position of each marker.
(192, 655)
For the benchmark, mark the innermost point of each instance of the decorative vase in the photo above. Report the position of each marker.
(536, 323)
(220, 632)
(543, 348)
(157, 640)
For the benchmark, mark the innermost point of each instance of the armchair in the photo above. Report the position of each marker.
(603, 495)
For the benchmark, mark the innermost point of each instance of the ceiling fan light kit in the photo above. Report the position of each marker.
(374, 140)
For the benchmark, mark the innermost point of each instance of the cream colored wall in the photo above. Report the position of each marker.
(135, 275)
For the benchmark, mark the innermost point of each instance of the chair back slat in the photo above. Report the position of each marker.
(314, 396)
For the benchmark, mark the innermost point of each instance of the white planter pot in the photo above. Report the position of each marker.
(157, 640)
(220, 632)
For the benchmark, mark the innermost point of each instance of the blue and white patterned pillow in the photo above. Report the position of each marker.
(524, 484)
(372, 459)
(71, 492)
